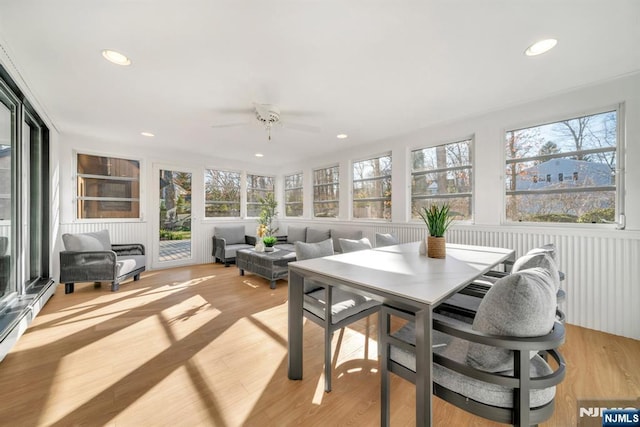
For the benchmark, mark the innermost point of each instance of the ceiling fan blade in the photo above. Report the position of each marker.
(230, 125)
(301, 127)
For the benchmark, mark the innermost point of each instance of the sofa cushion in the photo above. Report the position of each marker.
(83, 242)
(385, 239)
(233, 234)
(296, 234)
(522, 304)
(351, 234)
(349, 245)
(315, 235)
(231, 250)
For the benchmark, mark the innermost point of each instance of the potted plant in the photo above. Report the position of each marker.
(438, 220)
(269, 241)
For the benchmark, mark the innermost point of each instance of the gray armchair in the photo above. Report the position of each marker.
(90, 257)
(227, 239)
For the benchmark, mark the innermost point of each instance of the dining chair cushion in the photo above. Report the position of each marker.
(85, 242)
(456, 349)
(309, 251)
(349, 245)
(344, 304)
(542, 259)
(232, 234)
(522, 304)
(296, 234)
(315, 235)
(385, 239)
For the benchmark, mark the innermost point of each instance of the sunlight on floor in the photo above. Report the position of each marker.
(189, 315)
(107, 367)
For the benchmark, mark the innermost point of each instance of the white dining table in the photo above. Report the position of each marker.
(399, 277)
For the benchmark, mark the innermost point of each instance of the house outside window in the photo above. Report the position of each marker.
(107, 187)
(293, 195)
(442, 174)
(578, 157)
(222, 194)
(258, 187)
(372, 188)
(326, 196)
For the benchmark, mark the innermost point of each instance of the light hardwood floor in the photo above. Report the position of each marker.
(202, 346)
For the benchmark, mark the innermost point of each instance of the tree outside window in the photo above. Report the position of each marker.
(293, 195)
(258, 188)
(222, 194)
(326, 185)
(372, 188)
(577, 157)
(442, 174)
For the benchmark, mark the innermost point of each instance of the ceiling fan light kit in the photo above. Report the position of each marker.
(268, 115)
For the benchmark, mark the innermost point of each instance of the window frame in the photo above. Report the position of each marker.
(377, 178)
(315, 185)
(285, 190)
(619, 183)
(240, 197)
(472, 164)
(141, 184)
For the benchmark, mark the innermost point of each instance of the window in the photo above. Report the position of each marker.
(221, 194)
(293, 194)
(578, 158)
(372, 188)
(257, 188)
(326, 185)
(107, 187)
(442, 174)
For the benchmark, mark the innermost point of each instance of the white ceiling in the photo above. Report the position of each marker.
(369, 68)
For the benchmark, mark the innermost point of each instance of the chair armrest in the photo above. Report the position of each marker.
(87, 266)
(219, 245)
(128, 249)
(250, 240)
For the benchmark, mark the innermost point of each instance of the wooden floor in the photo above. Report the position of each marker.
(202, 346)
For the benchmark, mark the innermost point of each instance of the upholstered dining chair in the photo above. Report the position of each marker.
(343, 307)
(495, 368)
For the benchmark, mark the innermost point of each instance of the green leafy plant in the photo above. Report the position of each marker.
(268, 211)
(269, 240)
(437, 219)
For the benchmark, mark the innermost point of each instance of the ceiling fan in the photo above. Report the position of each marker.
(268, 115)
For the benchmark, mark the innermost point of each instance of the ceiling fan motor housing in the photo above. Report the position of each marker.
(267, 114)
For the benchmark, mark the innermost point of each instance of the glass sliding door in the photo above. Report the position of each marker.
(8, 109)
(174, 239)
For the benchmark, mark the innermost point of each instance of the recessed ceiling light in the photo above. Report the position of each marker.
(541, 47)
(146, 134)
(259, 155)
(342, 136)
(115, 57)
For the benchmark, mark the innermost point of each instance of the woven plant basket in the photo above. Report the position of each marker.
(436, 247)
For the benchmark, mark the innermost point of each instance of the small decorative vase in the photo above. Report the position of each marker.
(436, 247)
(422, 250)
(259, 246)
(268, 248)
